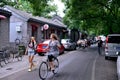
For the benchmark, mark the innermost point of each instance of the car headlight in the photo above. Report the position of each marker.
(118, 53)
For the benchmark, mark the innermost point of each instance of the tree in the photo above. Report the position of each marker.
(101, 15)
(6, 2)
(42, 7)
(36, 7)
(18, 4)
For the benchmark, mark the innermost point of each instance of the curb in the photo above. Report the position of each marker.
(118, 67)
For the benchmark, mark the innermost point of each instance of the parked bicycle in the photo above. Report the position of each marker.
(44, 68)
(2, 58)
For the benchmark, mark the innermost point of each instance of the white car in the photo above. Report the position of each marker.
(68, 44)
(103, 38)
(112, 46)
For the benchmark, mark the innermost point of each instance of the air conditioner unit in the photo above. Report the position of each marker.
(18, 28)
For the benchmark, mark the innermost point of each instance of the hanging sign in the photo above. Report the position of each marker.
(46, 26)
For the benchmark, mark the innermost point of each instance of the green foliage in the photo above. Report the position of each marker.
(6, 2)
(99, 16)
(36, 7)
(19, 4)
(42, 7)
(24, 6)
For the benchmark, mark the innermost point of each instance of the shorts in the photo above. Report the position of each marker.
(31, 53)
(51, 57)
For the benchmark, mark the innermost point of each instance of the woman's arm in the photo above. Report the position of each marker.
(58, 45)
(26, 51)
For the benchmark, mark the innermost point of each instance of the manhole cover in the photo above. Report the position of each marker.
(9, 69)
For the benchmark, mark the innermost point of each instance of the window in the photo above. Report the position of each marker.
(113, 39)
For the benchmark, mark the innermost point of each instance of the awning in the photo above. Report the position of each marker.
(2, 17)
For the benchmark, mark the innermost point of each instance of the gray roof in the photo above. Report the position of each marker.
(49, 21)
(29, 16)
(57, 17)
(4, 12)
(19, 12)
(59, 20)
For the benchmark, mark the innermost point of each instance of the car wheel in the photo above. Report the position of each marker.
(75, 48)
(63, 52)
(70, 48)
(106, 57)
(41, 54)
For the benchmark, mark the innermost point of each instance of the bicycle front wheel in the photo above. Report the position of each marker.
(43, 70)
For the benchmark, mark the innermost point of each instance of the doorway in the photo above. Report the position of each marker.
(34, 31)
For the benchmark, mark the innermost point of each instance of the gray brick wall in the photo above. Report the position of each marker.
(4, 32)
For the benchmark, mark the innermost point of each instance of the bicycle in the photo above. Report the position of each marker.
(2, 58)
(44, 68)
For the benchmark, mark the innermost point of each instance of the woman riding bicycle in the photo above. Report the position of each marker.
(53, 50)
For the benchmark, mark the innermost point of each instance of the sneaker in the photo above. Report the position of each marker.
(29, 70)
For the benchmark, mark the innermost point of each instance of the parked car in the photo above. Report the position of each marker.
(112, 46)
(41, 46)
(103, 38)
(68, 44)
(81, 43)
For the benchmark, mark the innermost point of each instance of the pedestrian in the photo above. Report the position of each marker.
(30, 50)
(100, 43)
(88, 43)
(53, 50)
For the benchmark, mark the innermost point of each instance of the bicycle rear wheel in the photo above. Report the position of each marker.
(43, 70)
(56, 64)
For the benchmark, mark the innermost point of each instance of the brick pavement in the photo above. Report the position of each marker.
(16, 66)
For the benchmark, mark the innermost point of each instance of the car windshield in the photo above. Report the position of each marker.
(114, 39)
(65, 40)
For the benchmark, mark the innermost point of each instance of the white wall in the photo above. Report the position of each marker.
(17, 20)
(13, 33)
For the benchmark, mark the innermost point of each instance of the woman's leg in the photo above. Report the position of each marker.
(51, 63)
(31, 62)
(29, 58)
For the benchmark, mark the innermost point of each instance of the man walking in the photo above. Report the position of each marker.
(100, 42)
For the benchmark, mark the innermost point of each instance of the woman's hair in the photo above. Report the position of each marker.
(54, 36)
(32, 39)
